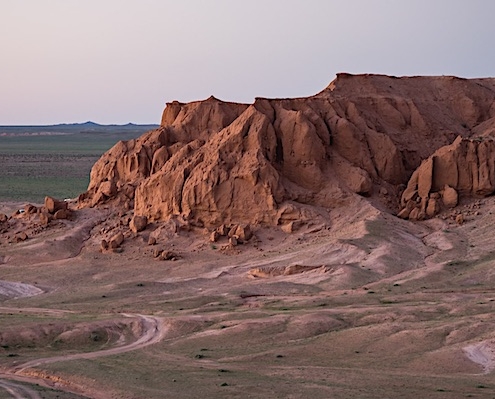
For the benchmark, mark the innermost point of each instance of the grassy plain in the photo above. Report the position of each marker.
(56, 161)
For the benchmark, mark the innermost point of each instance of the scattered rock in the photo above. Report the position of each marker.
(459, 219)
(30, 209)
(243, 233)
(151, 240)
(3, 217)
(168, 255)
(222, 230)
(22, 236)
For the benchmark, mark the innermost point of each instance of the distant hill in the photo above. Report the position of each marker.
(73, 128)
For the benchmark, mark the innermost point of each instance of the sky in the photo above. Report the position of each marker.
(120, 61)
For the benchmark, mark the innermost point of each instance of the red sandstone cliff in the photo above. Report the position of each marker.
(279, 160)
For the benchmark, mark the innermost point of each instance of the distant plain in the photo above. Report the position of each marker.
(54, 160)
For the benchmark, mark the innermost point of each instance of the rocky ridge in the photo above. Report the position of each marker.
(286, 161)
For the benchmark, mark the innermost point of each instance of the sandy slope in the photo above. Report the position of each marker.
(338, 309)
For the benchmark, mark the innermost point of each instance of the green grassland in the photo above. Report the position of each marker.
(56, 161)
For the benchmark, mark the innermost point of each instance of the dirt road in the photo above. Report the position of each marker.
(153, 331)
(18, 391)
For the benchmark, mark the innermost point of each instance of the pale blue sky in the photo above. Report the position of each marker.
(119, 61)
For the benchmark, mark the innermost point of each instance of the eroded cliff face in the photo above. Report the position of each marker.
(281, 160)
(465, 167)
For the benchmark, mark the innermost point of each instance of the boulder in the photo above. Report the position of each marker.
(433, 207)
(108, 188)
(62, 214)
(404, 213)
(44, 218)
(22, 236)
(104, 245)
(116, 240)
(138, 223)
(359, 181)
(450, 197)
(168, 255)
(243, 232)
(214, 236)
(157, 252)
(222, 230)
(30, 209)
(415, 214)
(52, 205)
(233, 230)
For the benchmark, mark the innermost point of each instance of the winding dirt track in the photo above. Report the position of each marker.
(18, 391)
(154, 331)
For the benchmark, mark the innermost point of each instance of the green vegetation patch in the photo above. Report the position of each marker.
(59, 165)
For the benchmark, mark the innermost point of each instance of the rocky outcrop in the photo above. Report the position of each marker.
(290, 160)
(465, 167)
(53, 205)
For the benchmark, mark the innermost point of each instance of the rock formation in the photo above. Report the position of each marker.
(465, 167)
(282, 161)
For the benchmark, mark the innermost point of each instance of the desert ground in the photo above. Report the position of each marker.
(369, 306)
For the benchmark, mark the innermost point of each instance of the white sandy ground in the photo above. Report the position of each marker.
(482, 353)
(18, 290)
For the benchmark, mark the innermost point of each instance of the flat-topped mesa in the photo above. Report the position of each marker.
(465, 167)
(278, 161)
